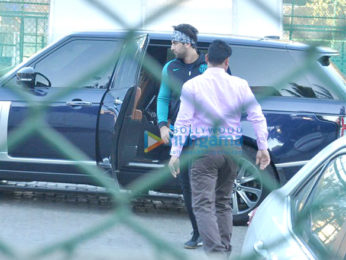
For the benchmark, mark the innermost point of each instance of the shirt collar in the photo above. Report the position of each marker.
(215, 70)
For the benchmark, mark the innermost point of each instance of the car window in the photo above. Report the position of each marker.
(323, 210)
(82, 63)
(88, 62)
(303, 194)
(324, 82)
(264, 68)
(327, 83)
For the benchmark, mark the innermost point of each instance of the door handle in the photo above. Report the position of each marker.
(78, 103)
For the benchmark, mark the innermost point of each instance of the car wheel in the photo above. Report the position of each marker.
(250, 187)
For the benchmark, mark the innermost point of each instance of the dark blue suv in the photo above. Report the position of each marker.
(110, 112)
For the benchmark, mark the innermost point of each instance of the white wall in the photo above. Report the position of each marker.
(68, 16)
(257, 17)
(208, 16)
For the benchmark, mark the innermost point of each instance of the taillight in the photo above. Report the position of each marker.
(342, 124)
(339, 120)
(251, 215)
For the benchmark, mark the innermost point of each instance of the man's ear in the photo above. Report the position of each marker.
(226, 62)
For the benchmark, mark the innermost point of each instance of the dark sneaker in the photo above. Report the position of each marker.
(199, 241)
(194, 242)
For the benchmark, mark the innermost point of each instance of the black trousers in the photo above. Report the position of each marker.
(184, 182)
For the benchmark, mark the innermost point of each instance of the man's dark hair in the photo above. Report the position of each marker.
(187, 29)
(218, 51)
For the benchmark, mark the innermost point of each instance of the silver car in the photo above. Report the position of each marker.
(306, 218)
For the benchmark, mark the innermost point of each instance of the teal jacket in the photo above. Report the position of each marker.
(174, 74)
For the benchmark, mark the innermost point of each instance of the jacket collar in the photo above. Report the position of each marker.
(199, 61)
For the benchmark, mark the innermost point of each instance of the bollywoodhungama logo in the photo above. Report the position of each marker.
(151, 141)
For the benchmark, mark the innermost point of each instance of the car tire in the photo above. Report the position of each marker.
(251, 186)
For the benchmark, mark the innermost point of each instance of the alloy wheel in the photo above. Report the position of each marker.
(247, 189)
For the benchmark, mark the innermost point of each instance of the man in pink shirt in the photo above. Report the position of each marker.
(210, 112)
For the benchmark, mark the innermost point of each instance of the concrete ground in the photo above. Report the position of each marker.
(30, 223)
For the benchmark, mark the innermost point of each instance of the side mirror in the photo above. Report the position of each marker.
(27, 77)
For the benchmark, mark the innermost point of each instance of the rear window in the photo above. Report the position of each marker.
(268, 72)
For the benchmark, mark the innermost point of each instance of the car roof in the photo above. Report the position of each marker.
(266, 42)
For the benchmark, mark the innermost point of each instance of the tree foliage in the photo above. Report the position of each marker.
(328, 8)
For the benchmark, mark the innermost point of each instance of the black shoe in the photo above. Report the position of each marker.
(194, 242)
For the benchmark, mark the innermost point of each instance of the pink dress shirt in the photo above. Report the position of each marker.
(216, 96)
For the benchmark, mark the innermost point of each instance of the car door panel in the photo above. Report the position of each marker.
(118, 103)
(294, 133)
(73, 106)
(77, 123)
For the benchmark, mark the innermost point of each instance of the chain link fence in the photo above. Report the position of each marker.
(33, 37)
(24, 26)
(23, 29)
(319, 23)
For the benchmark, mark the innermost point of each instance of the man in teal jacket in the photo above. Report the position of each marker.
(187, 64)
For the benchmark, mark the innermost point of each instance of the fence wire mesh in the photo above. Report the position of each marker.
(23, 30)
(32, 32)
(317, 22)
